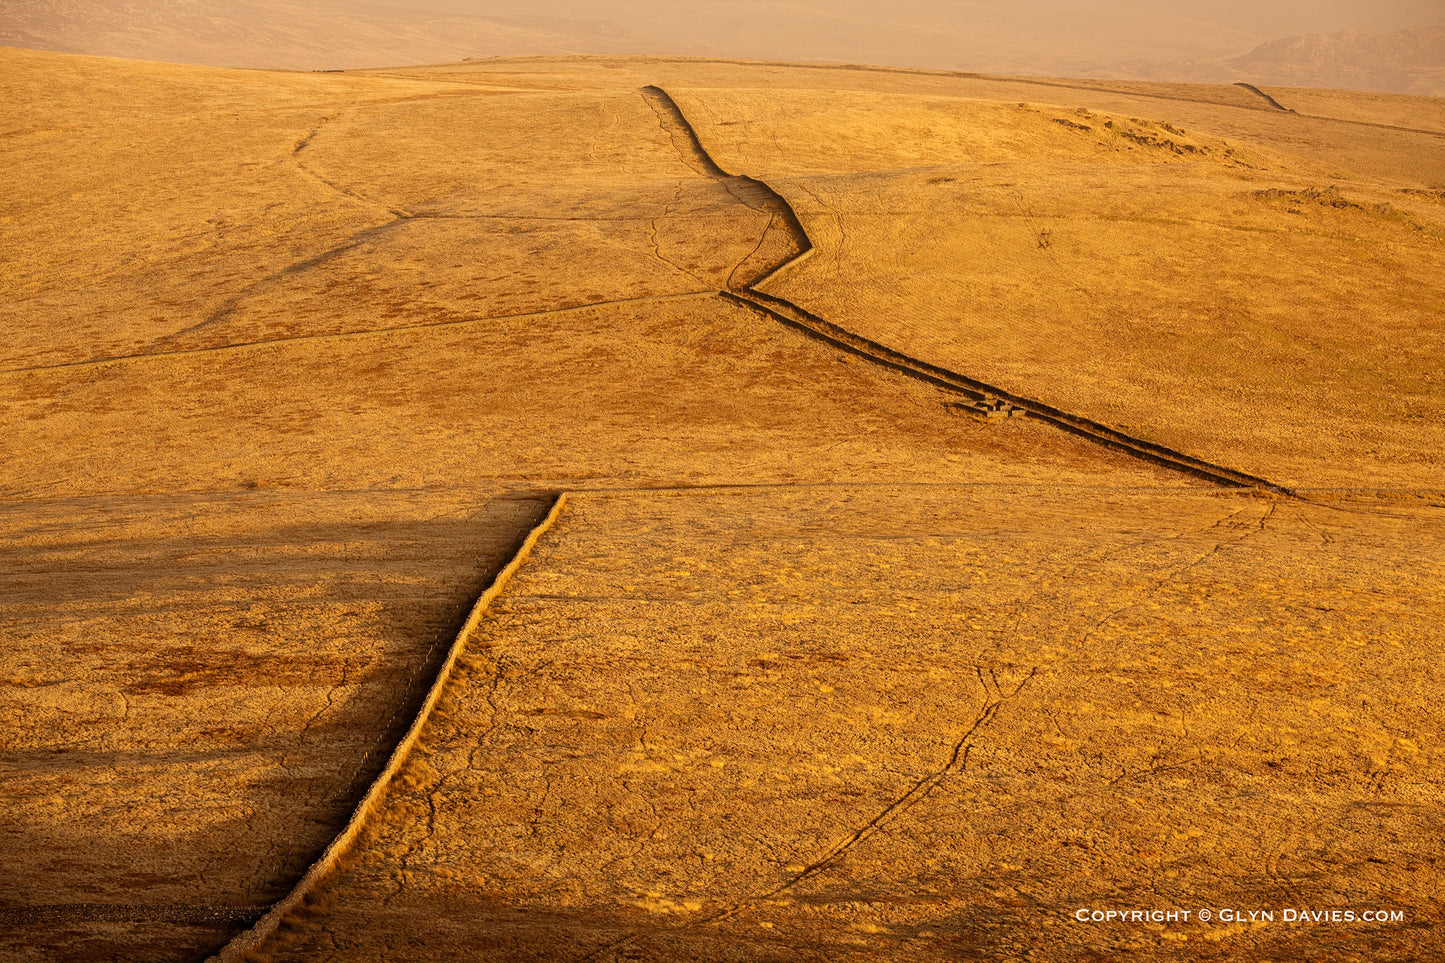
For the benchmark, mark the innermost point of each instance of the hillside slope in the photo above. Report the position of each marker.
(820, 654)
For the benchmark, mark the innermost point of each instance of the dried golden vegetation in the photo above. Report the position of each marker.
(814, 663)
(1133, 271)
(893, 724)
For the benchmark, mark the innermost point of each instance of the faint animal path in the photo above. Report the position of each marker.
(978, 394)
(399, 216)
(305, 142)
(835, 264)
(656, 242)
(229, 307)
(498, 669)
(1248, 528)
(994, 698)
(364, 332)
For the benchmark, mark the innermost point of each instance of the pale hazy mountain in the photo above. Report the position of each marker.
(1227, 40)
(1410, 61)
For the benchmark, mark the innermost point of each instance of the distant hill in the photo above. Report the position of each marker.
(1410, 61)
(1406, 62)
(1134, 39)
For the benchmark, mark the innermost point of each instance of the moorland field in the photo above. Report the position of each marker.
(668, 509)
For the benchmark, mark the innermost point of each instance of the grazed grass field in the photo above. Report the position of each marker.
(903, 723)
(1126, 269)
(814, 661)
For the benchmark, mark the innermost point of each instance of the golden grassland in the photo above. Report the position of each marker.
(901, 724)
(975, 235)
(813, 664)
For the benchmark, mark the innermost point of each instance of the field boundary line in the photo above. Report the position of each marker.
(979, 395)
(812, 326)
(1272, 102)
(362, 333)
(252, 939)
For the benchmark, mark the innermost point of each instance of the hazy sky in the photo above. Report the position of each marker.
(967, 34)
(1159, 39)
(1273, 18)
